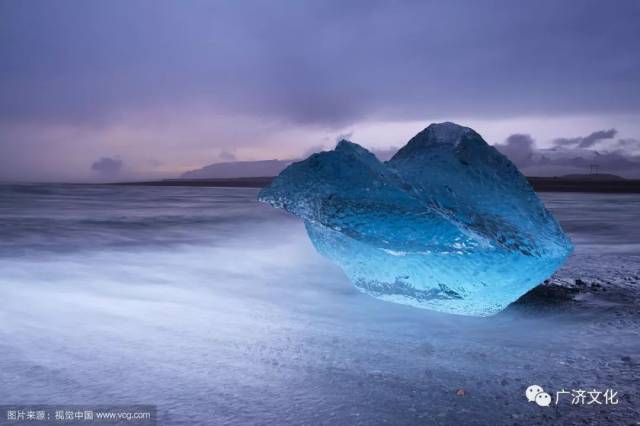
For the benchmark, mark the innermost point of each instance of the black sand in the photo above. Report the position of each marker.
(540, 184)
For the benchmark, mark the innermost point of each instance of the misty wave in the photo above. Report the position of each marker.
(219, 310)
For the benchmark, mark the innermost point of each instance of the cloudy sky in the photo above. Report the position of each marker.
(140, 89)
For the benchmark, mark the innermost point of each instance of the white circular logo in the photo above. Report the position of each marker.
(543, 399)
(532, 391)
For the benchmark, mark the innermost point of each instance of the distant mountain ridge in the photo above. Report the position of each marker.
(238, 169)
(259, 168)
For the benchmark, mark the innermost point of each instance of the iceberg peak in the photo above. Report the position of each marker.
(446, 134)
(348, 147)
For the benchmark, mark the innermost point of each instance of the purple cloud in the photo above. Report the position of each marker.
(107, 167)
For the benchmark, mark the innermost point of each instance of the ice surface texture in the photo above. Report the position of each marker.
(448, 223)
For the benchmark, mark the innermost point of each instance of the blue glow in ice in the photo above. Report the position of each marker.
(448, 224)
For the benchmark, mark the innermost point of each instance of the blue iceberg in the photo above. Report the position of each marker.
(447, 224)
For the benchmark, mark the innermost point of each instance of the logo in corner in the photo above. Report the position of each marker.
(535, 393)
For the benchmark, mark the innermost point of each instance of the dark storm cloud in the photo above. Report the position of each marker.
(576, 155)
(519, 148)
(629, 144)
(587, 141)
(107, 166)
(324, 62)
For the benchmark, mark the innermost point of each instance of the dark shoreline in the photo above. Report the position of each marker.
(540, 184)
(630, 186)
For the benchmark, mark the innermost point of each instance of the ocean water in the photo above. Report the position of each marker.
(218, 310)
